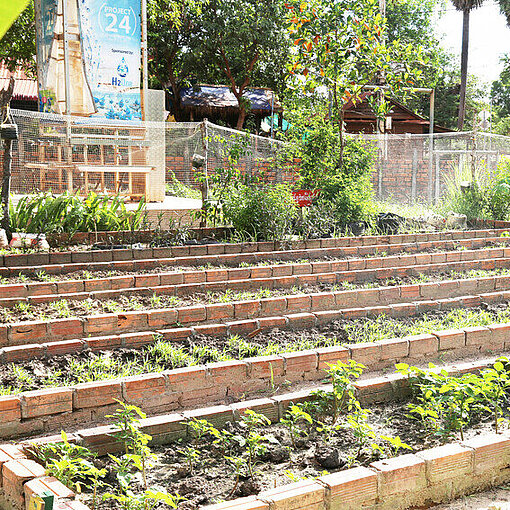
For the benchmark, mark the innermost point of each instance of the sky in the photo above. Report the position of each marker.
(489, 38)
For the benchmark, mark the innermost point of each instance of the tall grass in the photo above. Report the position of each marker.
(47, 214)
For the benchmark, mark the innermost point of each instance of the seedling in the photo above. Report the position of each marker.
(191, 455)
(343, 376)
(293, 419)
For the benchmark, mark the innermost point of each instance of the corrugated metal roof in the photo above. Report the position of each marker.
(220, 96)
(25, 88)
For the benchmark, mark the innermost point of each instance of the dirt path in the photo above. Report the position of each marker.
(494, 499)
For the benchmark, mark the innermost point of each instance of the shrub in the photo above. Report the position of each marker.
(261, 212)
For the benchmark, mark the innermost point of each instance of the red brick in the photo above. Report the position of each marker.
(158, 318)
(323, 301)
(97, 394)
(298, 303)
(420, 345)
(44, 484)
(64, 347)
(331, 355)
(265, 367)
(15, 473)
(145, 388)
(300, 320)
(500, 335)
(447, 462)
(402, 474)
(136, 340)
(491, 452)
(194, 277)
(306, 494)
(450, 339)
(367, 353)
(122, 282)
(266, 323)
(394, 349)
(10, 409)
(65, 328)
(175, 334)
(196, 313)
(242, 327)
(172, 278)
(351, 488)
(478, 336)
(46, 402)
(217, 330)
(346, 298)
(217, 415)
(103, 342)
(100, 324)
(246, 309)
(22, 352)
(132, 321)
(300, 365)
(273, 306)
(27, 332)
(97, 285)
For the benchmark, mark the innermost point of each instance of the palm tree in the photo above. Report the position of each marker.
(465, 6)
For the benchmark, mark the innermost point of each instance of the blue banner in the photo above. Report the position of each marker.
(104, 55)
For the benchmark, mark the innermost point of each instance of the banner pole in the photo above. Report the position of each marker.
(145, 82)
(66, 57)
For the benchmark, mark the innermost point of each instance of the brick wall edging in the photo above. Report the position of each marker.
(42, 410)
(27, 332)
(395, 483)
(87, 257)
(187, 282)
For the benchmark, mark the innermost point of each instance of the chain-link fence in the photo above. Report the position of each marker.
(419, 167)
(77, 154)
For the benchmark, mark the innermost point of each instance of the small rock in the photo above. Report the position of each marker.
(329, 458)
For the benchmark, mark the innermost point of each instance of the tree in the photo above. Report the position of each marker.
(340, 46)
(242, 37)
(172, 39)
(17, 47)
(465, 6)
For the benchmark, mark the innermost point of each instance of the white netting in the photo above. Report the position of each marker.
(60, 153)
(408, 170)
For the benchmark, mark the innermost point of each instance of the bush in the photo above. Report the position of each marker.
(488, 196)
(262, 212)
(344, 181)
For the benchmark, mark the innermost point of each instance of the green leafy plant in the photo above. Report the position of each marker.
(191, 455)
(294, 418)
(253, 441)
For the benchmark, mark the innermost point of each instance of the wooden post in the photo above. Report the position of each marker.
(5, 98)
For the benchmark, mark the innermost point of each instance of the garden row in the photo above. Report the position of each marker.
(185, 283)
(235, 254)
(422, 477)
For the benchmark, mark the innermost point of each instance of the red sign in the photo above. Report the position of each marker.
(304, 197)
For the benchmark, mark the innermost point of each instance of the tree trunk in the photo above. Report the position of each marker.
(463, 70)
(5, 98)
(241, 118)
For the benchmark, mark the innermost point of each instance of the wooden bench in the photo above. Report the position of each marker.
(117, 170)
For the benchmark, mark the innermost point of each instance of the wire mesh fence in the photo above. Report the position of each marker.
(76, 154)
(413, 168)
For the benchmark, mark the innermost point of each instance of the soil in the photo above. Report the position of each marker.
(108, 364)
(493, 499)
(213, 479)
(145, 299)
(84, 275)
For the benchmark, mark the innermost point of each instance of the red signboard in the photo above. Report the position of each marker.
(304, 197)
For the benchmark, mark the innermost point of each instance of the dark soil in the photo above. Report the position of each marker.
(109, 364)
(213, 477)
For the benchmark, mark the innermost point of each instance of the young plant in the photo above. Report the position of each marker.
(240, 467)
(342, 377)
(394, 445)
(191, 455)
(293, 419)
(254, 442)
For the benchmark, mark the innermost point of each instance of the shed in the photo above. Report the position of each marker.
(359, 117)
(26, 92)
(217, 102)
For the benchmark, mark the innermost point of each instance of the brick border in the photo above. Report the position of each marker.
(47, 409)
(246, 278)
(61, 262)
(243, 315)
(430, 476)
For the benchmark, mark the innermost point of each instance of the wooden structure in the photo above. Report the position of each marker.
(80, 156)
(359, 117)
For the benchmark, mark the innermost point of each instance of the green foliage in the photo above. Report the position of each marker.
(342, 377)
(261, 213)
(488, 196)
(176, 188)
(294, 418)
(447, 404)
(69, 463)
(343, 178)
(45, 213)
